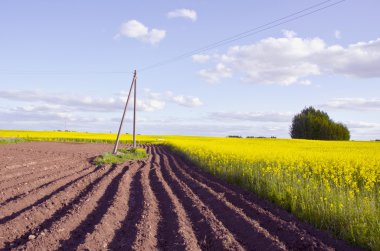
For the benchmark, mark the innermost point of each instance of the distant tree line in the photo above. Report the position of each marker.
(251, 137)
(260, 137)
(234, 136)
(316, 124)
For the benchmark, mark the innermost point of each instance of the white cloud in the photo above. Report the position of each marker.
(40, 108)
(134, 29)
(252, 116)
(20, 118)
(156, 36)
(359, 104)
(276, 60)
(137, 30)
(360, 60)
(195, 126)
(289, 33)
(337, 34)
(304, 82)
(43, 110)
(22, 114)
(188, 101)
(292, 60)
(184, 13)
(149, 102)
(362, 130)
(150, 105)
(200, 58)
(182, 100)
(76, 102)
(215, 75)
(361, 124)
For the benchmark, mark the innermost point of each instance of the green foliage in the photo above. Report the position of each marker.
(121, 156)
(11, 140)
(316, 124)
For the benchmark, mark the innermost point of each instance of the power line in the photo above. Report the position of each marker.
(272, 24)
(247, 33)
(10, 72)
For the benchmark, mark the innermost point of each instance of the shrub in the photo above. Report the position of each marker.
(316, 124)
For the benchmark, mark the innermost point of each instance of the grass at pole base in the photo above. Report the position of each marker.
(121, 156)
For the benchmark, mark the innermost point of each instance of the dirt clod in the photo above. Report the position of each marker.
(31, 237)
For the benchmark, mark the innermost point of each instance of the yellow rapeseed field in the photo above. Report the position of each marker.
(73, 136)
(334, 185)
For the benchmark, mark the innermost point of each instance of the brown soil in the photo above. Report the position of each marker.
(52, 197)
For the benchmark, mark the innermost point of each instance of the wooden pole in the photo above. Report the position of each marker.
(134, 113)
(122, 119)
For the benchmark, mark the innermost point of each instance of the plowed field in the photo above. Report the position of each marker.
(52, 197)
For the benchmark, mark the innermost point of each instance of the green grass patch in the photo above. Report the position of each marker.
(122, 156)
(11, 140)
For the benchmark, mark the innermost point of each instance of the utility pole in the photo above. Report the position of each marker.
(125, 110)
(134, 113)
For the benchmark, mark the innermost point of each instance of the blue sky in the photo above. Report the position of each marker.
(67, 65)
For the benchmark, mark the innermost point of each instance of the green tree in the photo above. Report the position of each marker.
(316, 124)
